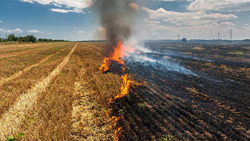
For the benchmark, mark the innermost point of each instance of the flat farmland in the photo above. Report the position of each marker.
(55, 91)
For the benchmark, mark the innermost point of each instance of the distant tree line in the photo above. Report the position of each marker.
(28, 38)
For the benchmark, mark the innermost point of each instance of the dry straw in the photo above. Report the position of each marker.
(9, 122)
(18, 74)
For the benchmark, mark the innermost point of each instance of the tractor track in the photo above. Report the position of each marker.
(18, 74)
(10, 120)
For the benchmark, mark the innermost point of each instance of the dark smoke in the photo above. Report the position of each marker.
(117, 17)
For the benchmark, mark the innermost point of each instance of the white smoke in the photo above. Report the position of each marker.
(164, 62)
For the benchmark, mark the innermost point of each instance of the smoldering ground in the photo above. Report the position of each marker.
(117, 17)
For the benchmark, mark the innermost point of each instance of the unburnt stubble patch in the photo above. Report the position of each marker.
(10, 121)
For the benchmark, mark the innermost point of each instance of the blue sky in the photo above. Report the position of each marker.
(75, 20)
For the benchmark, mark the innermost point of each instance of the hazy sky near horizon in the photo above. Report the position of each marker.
(165, 19)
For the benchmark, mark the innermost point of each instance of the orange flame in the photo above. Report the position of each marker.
(117, 133)
(125, 86)
(115, 120)
(119, 52)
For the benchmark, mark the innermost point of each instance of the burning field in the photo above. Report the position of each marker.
(163, 91)
(180, 93)
(173, 90)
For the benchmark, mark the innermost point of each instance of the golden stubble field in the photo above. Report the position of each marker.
(54, 91)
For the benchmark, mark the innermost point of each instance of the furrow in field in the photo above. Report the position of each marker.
(87, 120)
(12, 90)
(16, 75)
(10, 121)
(82, 115)
(12, 65)
(83, 125)
(174, 109)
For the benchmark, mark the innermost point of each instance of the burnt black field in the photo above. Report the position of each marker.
(191, 91)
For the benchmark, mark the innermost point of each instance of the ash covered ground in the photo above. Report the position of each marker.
(192, 91)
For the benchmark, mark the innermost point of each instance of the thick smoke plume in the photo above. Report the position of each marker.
(117, 17)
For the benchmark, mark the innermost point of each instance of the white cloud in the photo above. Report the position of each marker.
(220, 5)
(80, 32)
(206, 28)
(17, 30)
(185, 18)
(35, 31)
(76, 5)
(67, 11)
(79, 4)
(0, 21)
(168, 16)
(59, 10)
(152, 22)
(229, 24)
(189, 24)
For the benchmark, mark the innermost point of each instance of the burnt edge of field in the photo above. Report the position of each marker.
(160, 109)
